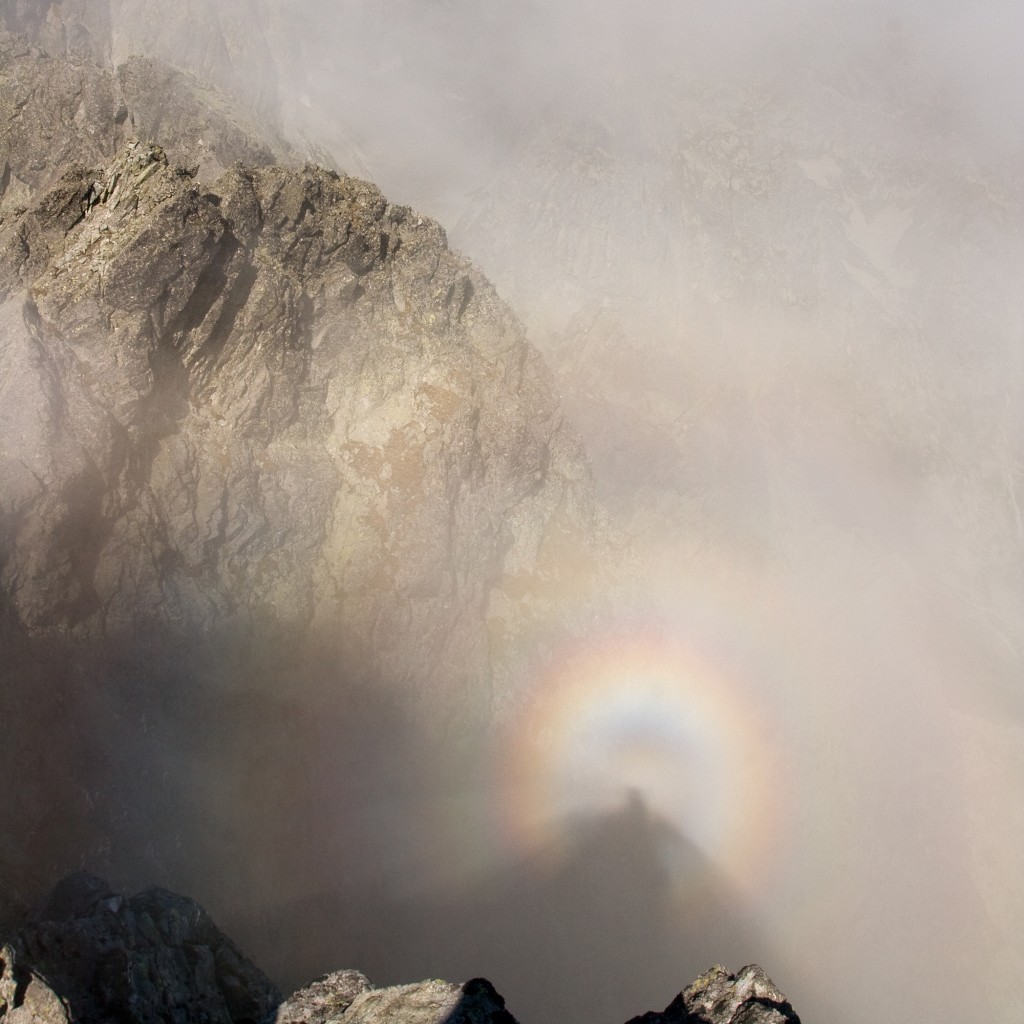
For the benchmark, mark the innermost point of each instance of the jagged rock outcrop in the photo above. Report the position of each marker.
(716, 997)
(291, 388)
(89, 955)
(324, 999)
(720, 997)
(348, 997)
(92, 955)
(268, 437)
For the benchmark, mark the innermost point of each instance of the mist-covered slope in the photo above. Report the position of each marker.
(783, 305)
(276, 463)
(773, 257)
(60, 110)
(290, 515)
(226, 45)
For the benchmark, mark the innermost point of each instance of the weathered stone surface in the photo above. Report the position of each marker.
(249, 394)
(716, 997)
(323, 1000)
(272, 436)
(75, 27)
(98, 956)
(26, 998)
(431, 1002)
(347, 996)
(720, 997)
(283, 490)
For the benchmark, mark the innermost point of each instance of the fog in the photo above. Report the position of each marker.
(773, 255)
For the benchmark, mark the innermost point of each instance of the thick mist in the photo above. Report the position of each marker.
(772, 254)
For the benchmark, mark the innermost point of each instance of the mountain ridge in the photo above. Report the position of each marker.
(89, 954)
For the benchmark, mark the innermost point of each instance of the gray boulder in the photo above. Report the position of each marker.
(720, 997)
(323, 1000)
(346, 997)
(25, 997)
(91, 955)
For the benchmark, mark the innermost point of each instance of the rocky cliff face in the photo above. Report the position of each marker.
(290, 339)
(273, 459)
(90, 954)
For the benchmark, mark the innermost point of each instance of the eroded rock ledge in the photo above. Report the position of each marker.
(89, 955)
(273, 436)
(280, 395)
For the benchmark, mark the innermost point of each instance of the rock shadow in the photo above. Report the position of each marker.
(298, 800)
(244, 768)
(615, 916)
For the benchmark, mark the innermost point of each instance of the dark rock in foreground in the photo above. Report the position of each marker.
(89, 954)
(719, 997)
